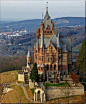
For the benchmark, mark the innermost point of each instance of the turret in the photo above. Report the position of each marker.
(58, 43)
(28, 59)
(41, 27)
(42, 39)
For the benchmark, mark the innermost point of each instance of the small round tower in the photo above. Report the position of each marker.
(28, 58)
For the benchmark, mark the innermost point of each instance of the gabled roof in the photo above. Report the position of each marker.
(54, 39)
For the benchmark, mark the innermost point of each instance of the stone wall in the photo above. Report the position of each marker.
(21, 77)
(55, 92)
(31, 84)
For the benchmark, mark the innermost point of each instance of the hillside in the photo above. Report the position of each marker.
(31, 25)
(17, 94)
(27, 41)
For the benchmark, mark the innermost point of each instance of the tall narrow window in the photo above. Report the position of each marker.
(42, 58)
(54, 58)
(47, 31)
(42, 49)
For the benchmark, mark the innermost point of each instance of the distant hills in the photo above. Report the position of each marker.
(20, 45)
(31, 25)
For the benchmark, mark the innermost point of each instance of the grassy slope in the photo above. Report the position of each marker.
(14, 96)
(7, 77)
(29, 92)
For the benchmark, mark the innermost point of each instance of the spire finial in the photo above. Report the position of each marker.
(42, 16)
(47, 7)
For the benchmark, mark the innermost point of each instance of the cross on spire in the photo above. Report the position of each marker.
(47, 7)
(42, 16)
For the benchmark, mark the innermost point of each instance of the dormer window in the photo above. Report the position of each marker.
(50, 31)
(47, 31)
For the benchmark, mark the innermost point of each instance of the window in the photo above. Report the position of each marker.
(44, 31)
(51, 50)
(48, 59)
(54, 58)
(50, 31)
(39, 57)
(42, 58)
(51, 58)
(47, 31)
(42, 49)
(62, 57)
(36, 56)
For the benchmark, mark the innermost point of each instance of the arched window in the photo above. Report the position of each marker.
(54, 67)
(47, 31)
(47, 67)
(42, 58)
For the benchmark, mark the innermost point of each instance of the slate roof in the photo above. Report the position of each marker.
(47, 20)
(39, 65)
(54, 39)
(66, 40)
(42, 65)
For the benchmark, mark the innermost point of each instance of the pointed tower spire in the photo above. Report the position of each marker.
(47, 7)
(58, 44)
(42, 16)
(41, 40)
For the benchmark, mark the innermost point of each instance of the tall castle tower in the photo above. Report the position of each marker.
(52, 52)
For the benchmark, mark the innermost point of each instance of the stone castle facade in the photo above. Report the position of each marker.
(51, 51)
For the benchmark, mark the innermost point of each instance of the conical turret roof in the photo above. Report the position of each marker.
(28, 55)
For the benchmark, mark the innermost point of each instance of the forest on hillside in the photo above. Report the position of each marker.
(20, 45)
(13, 57)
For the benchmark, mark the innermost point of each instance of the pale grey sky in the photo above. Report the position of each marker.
(26, 9)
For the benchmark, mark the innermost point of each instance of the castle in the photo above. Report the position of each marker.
(53, 55)
(51, 51)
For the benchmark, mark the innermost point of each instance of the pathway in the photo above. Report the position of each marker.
(26, 94)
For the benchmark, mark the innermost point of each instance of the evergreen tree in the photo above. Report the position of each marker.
(81, 58)
(34, 73)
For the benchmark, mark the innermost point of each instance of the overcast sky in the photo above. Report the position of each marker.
(12, 10)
